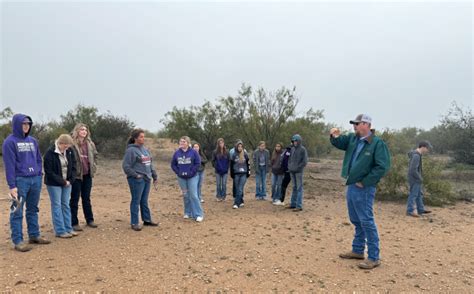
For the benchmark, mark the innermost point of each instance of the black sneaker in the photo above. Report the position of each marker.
(150, 223)
(92, 225)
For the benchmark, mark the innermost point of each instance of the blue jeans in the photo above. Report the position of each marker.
(200, 175)
(60, 210)
(29, 190)
(297, 195)
(415, 196)
(261, 182)
(276, 186)
(360, 203)
(192, 205)
(221, 183)
(239, 184)
(139, 188)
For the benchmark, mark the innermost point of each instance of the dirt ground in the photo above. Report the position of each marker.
(259, 248)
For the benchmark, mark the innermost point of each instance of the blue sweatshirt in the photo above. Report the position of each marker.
(186, 164)
(220, 162)
(21, 154)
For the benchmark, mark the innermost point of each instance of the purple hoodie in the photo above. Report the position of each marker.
(21, 155)
(186, 164)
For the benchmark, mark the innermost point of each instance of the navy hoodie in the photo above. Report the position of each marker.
(185, 164)
(220, 162)
(21, 154)
(284, 158)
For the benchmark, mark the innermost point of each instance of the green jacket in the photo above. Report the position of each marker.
(372, 163)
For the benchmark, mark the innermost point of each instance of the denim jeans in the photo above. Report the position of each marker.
(415, 196)
(200, 176)
(139, 188)
(239, 183)
(192, 205)
(261, 182)
(284, 185)
(81, 189)
(29, 190)
(297, 195)
(276, 186)
(60, 210)
(360, 203)
(221, 186)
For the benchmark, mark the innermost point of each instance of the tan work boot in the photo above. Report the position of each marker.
(38, 240)
(369, 264)
(351, 255)
(23, 247)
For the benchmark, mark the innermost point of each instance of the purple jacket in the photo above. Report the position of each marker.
(21, 155)
(186, 164)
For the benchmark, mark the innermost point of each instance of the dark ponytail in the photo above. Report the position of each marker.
(134, 135)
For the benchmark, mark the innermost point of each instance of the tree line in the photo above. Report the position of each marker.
(256, 114)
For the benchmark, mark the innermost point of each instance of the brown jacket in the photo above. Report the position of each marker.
(92, 156)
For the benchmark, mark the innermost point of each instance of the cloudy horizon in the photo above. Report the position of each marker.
(403, 63)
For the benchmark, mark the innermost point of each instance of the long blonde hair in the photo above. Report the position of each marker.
(75, 133)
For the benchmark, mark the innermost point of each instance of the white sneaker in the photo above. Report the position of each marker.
(186, 216)
(199, 219)
(202, 200)
(235, 206)
(241, 205)
(278, 202)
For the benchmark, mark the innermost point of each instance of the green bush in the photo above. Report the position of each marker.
(394, 186)
(437, 191)
(5, 128)
(46, 134)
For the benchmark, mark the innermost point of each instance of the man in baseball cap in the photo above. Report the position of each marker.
(361, 118)
(366, 161)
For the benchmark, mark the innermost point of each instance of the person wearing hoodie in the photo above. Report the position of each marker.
(220, 162)
(231, 153)
(86, 158)
(296, 164)
(138, 166)
(261, 165)
(366, 161)
(197, 147)
(23, 170)
(415, 179)
(59, 175)
(239, 172)
(277, 173)
(185, 164)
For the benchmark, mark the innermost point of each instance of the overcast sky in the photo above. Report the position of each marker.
(402, 63)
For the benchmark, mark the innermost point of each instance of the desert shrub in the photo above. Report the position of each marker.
(394, 185)
(47, 133)
(437, 191)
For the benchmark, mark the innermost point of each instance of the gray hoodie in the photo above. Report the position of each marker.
(138, 161)
(298, 159)
(414, 167)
